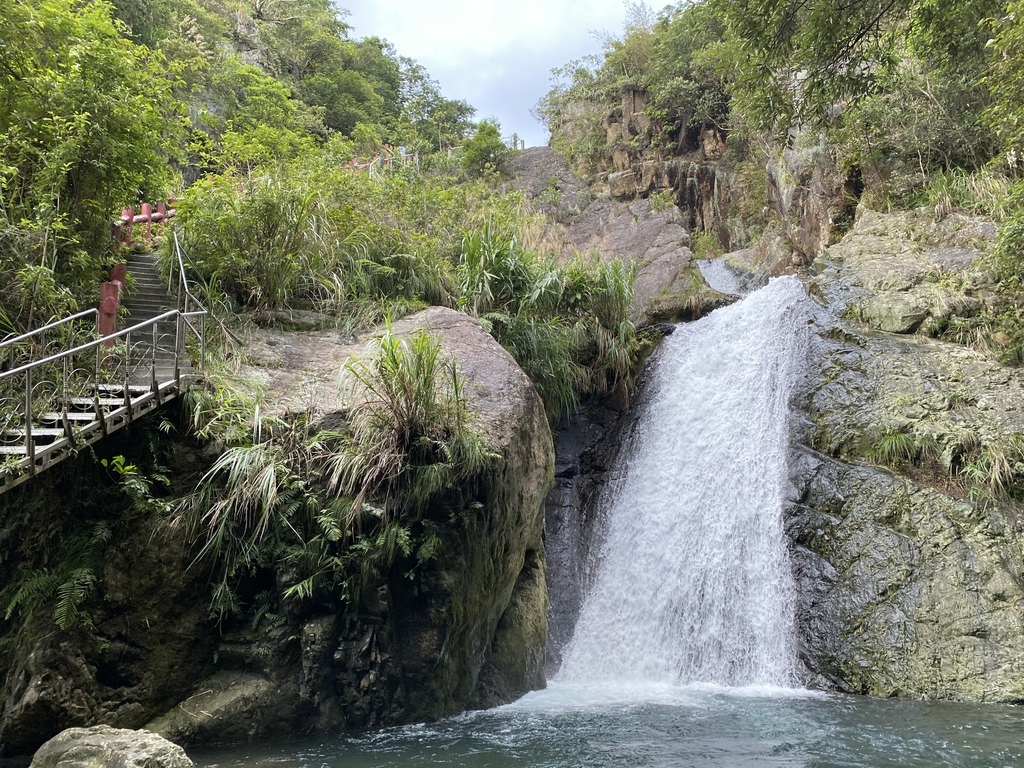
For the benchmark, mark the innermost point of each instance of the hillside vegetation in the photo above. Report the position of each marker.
(919, 103)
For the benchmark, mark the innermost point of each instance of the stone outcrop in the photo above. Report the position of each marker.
(150, 639)
(910, 583)
(468, 632)
(809, 195)
(104, 747)
(654, 238)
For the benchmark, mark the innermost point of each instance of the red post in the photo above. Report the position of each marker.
(147, 215)
(127, 218)
(109, 300)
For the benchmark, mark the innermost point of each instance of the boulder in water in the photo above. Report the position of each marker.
(105, 747)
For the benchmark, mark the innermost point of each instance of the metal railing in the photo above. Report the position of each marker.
(112, 376)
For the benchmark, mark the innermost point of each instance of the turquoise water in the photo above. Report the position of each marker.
(663, 727)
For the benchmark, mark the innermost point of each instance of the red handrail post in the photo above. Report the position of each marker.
(147, 216)
(127, 219)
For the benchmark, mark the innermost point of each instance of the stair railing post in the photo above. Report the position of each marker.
(178, 320)
(64, 401)
(30, 445)
(152, 366)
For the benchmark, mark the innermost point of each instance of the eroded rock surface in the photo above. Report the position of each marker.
(668, 286)
(104, 747)
(469, 631)
(911, 579)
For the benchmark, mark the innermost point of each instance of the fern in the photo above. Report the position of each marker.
(70, 596)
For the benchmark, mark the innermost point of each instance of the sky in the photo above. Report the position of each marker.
(496, 56)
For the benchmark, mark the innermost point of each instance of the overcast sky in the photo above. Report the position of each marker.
(496, 56)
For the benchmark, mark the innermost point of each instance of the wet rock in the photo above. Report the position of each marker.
(908, 561)
(104, 747)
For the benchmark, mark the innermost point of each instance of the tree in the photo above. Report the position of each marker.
(802, 57)
(485, 153)
(87, 121)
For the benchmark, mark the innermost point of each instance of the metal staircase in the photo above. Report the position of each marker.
(63, 387)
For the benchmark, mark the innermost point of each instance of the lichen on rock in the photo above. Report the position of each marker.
(907, 554)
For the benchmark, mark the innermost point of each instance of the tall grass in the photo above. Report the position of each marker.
(567, 325)
(339, 504)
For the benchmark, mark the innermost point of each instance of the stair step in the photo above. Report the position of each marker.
(71, 416)
(12, 450)
(119, 388)
(40, 431)
(89, 402)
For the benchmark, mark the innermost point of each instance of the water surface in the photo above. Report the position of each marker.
(667, 727)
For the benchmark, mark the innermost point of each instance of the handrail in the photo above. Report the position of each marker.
(89, 344)
(52, 325)
(49, 383)
(180, 253)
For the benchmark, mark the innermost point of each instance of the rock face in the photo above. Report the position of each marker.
(151, 637)
(908, 586)
(809, 195)
(656, 239)
(469, 632)
(106, 747)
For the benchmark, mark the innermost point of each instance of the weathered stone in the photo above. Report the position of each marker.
(668, 284)
(230, 706)
(104, 747)
(623, 185)
(908, 587)
(901, 272)
(805, 188)
(151, 637)
(470, 631)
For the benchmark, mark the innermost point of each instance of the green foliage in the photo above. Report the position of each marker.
(917, 122)
(705, 245)
(802, 59)
(1005, 80)
(55, 559)
(340, 506)
(485, 154)
(692, 63)
(567, 325)
(896, 447)
(86, 122)
(408, 434)
(309, 235)
(572, 111)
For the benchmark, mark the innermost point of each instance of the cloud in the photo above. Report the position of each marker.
(496, 56)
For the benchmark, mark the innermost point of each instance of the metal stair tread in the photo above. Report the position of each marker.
(70, 415)
(41, 431)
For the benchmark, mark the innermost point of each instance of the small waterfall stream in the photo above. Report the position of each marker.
(693, 580)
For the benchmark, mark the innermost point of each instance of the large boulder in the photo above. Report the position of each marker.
(907, 556)
(469, 631)
(105, 747)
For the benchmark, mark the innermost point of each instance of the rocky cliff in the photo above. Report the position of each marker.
(906, 541)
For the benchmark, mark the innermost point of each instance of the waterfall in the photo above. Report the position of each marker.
(693, 580)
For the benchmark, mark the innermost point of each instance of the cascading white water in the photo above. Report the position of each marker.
(693, 582)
